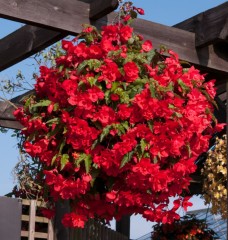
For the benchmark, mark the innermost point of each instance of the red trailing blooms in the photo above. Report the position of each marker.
(116, 127)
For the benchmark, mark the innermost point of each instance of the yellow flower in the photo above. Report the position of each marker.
(215, 178)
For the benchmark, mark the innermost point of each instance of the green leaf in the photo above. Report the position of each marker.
(64, 160)
(171, 106)
(121, 129)
(131, 40)
(61, 68)
(81, 66)
(53, 120)
(62, 146)
(107, 98)
(184, 87)
(124, 86)
(92, 81)
(127, 158)
(57, 129)
(143, 145)
(208, 111)
(209, 98)
(155, 160)
(177, 114)
(189, 150)
(42, 103)
(124, 97)
(53, 159)
(56, 107)
(94, 144)
(115, 85)
(146, 155)
(93, 63)
(169, 88)
(125, 125)
(150, 124)
(87, 161)
(105, 132)
(152, 90)
(150, 55)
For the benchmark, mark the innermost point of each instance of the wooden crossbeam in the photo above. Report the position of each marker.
(7, 119)
(183, 42)
(210, 26)
(100, 8)
(29, 40)
(52, 14)
(25, 42)
(61, 15)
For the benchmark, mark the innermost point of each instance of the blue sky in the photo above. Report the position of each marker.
(165, 12)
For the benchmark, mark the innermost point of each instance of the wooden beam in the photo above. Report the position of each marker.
(25, 42)
(7, 119)
(31, 39)
(212, 58)
(64, 15)
(210, 26)
(61, 15)
(6, 111)
(123, 226)
(100, 8)
(10, 124)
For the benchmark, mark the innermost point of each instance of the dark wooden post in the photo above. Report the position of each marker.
(61, 233)
(123, 226)
(10, 218)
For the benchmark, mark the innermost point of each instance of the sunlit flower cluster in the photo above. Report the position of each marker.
(215, 177)
(117, 126)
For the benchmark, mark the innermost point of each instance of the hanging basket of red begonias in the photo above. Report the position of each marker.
(117, 126)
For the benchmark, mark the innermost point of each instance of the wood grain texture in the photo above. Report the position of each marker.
(6, 111)
(50, 230)
(211, 58)
(64, 15)
(28, 40)
(61, 15)
(10, 124)
(32, 220)
(210, 26)
(100, 8)
(183, 43)
(25, 42)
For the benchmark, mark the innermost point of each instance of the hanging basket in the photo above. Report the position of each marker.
(117, 126)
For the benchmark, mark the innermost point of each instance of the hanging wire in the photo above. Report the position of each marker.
(117, 18)
(207, 213)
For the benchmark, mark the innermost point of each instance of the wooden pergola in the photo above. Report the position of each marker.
(201, 40)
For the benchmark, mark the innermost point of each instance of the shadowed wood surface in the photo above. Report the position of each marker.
(210, 26)
(64, 15)
(61, 15)
(100, 8)
(183, 43)
(29, 40)
(25, 42)
(211, 57)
